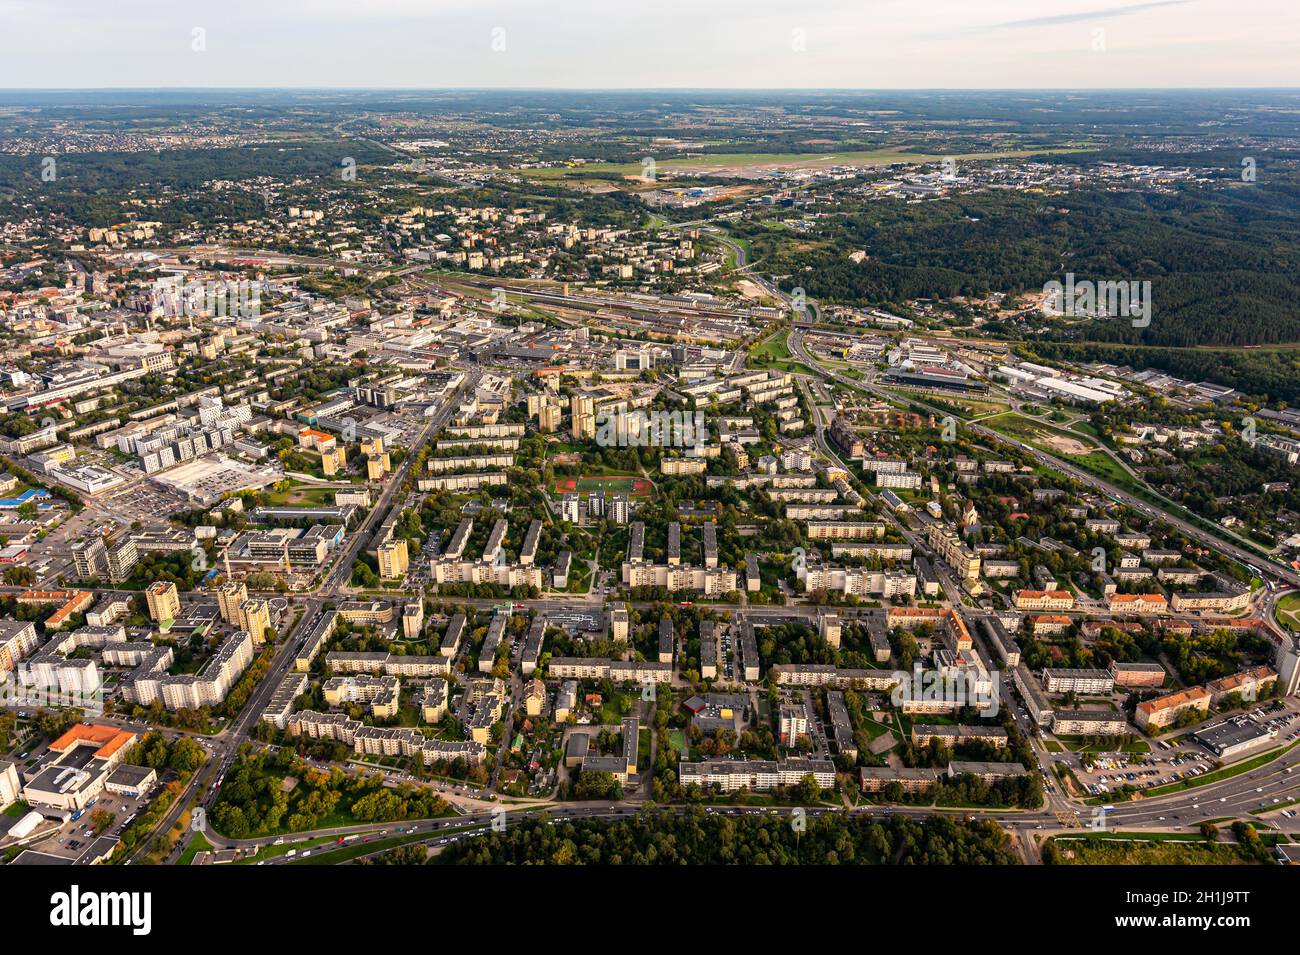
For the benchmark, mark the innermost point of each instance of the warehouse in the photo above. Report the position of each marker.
(1233, 738)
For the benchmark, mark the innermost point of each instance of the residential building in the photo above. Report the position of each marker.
(1089, 723)
(393, 559)
(1085, 681)
(163, 601)
(18, 638)
(756, 775)
(1157, 714)
(1146, 675)
(1044, 600)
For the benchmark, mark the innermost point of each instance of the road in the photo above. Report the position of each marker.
(341, 571)
(226, 744)
(1179, 812)
(1192, 531)
(1236, 796)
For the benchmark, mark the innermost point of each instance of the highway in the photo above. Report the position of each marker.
(1235, 796)
(1119, 495)
(1182, 812)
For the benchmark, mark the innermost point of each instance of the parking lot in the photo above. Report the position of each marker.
(74, 836)
(1175, 760)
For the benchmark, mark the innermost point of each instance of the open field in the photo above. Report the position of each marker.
(1050, 438)
(1056, 441)
(773, 348)
(1146, 849)
(1100, 464)
(754, 165)
(301, 495)
(979, 408)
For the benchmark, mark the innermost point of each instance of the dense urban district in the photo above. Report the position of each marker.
(646, 478)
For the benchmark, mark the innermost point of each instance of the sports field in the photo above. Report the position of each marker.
(610, 484)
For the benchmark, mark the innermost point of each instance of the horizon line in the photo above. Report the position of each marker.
(651, 89)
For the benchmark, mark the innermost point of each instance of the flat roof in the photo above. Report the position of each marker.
(129, 775)
(32, 857)
(1230, 734)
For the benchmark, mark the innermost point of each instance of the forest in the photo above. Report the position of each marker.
(696, 838)
(1221, 257)
(261, 797)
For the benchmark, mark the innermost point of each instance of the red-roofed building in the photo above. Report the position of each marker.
(1161, 712)
(1140, 604)
(1044, 600)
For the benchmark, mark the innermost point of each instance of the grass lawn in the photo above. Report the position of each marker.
(774, 348)
(843, 367)
(579, 579)
(197, 844)
(301, 495)
(677, 740)
(643, 750)
(1151, 850)
(1222, 774)
(1284, 804)
(789, 367)
(1287, 611)
(612, 713)
(875, 730)
(1074, 448)
(979, 409)
(1104, 466)
(1039, 433)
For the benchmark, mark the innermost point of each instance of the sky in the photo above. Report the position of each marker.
(642, 44)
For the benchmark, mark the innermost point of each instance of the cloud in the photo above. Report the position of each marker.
(1086, 15)
(687, 44)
